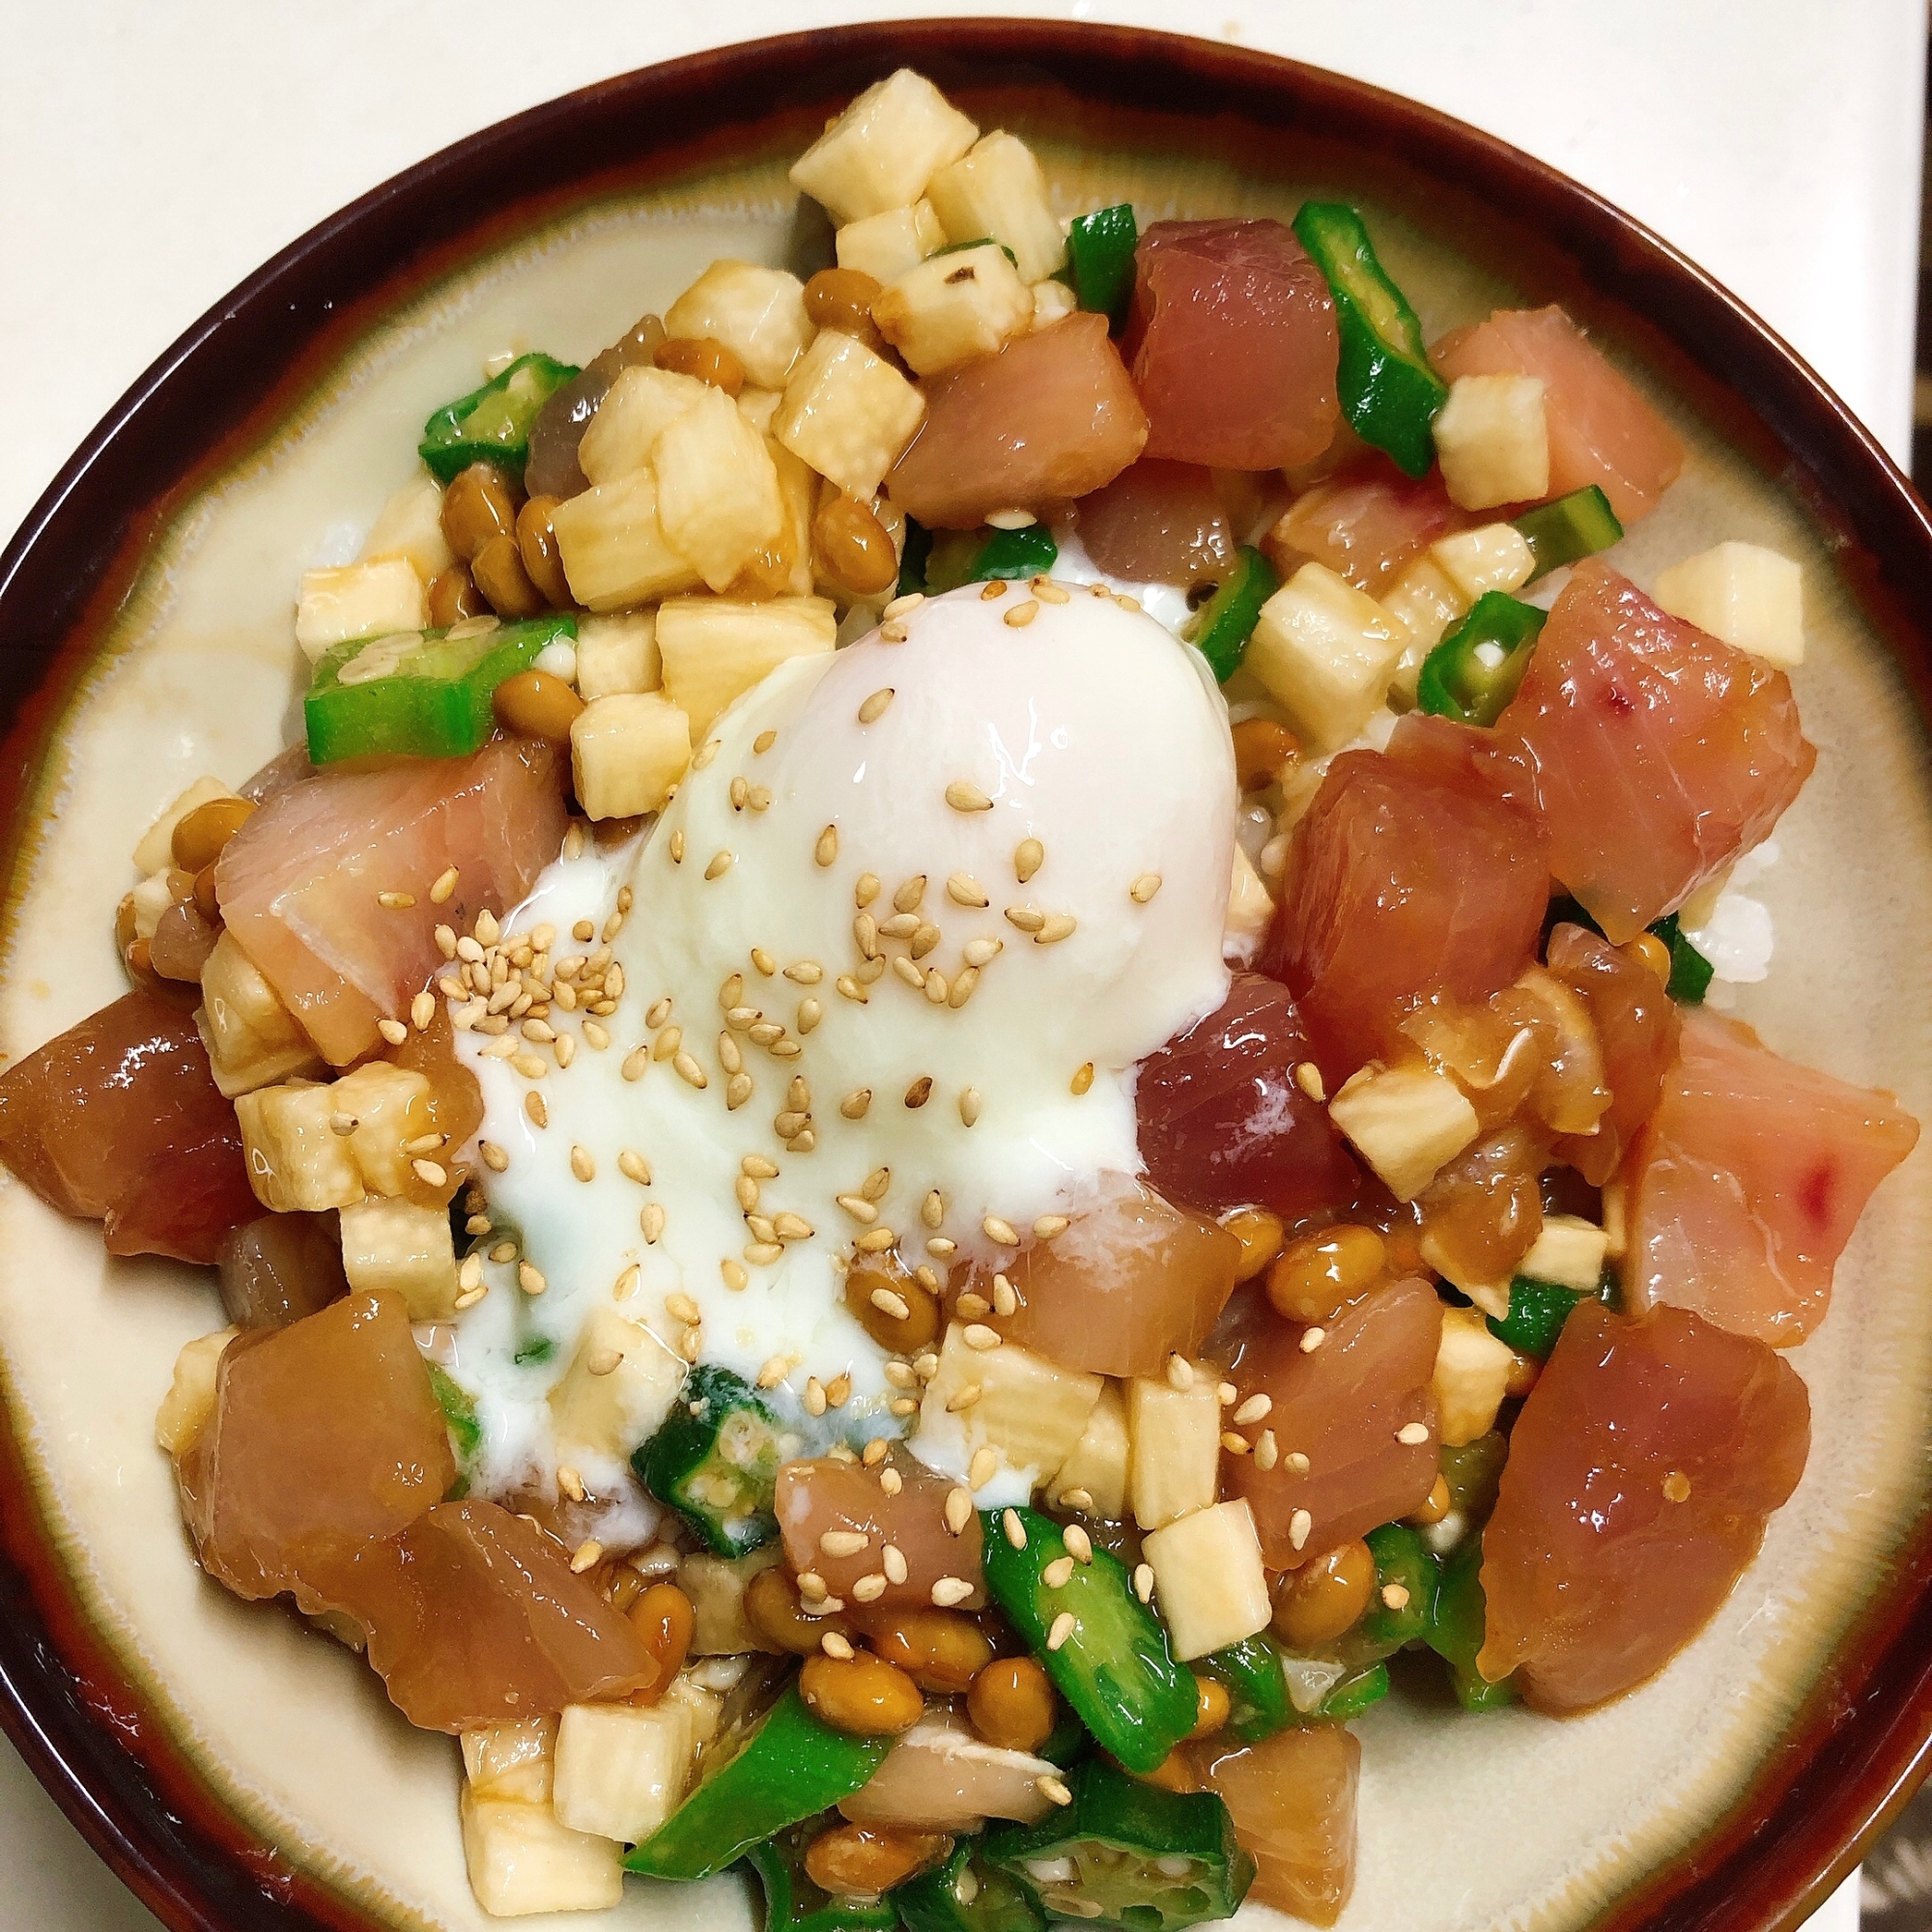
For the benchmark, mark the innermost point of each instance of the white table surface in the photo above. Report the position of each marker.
(157, 155)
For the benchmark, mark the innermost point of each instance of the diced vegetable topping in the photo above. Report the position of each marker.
(1405, 1591)
(790, 1768)
(1537, 1313)
(1148, 1860)
(1475, 671)
(1570, 530)
(1100, 247)
(716, 1461)
(975, 557)
(492, 424)
(967, 1894)
(1456, 1630)
(1389, 391)
(1107, 1655)
(420, 695)
(1228, 619)
(1251, 1672)
(1689, 971)
(795, 1902)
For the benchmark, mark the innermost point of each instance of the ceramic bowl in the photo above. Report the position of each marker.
(242, 1773)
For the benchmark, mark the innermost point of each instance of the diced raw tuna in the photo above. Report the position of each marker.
(325, 1436)
(1640, 1474)
(1342, 1407)
(1662, 753)
(119, 1119)
(474, 1617)
(1130, 1282)
(1159, 522)
(1603, 429)
(1224, 1123)
(1364, 525)
(1749, 1180)
(1293, 1801)
(1233, 343)
(1636, 1023)
(828, 1494)
(300, 883)
(1417, 871)
(1050, 417)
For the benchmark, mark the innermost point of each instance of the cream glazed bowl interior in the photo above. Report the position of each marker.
(241, 1771)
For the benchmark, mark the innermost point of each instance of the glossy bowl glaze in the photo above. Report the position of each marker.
(242, 1773)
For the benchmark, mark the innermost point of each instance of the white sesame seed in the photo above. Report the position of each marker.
(949, 1591)
(1054, 1790)
(688, 1070)
(1013, 1528)
(1312, 1339)
(1049, 1226)
(969, 1105)
(1410, 1434)
(1143, 888)
(1058, 1574)
(652, 1221)
(1022, 614)
(963, 889)
(1300, 1526)
(999, 1231)
(1266, 1452)
(1308, 1077)
(582, 1164)
(530, 1279)
(978, 1336)
(1078, 1543)
(841, 1542)
(1144, 1581)
(1063, 1627)
(874, 707)
(1254, 1409)
(736, 1277)
(1029, 856)
(393, 1031)
(977, 952)
(963, 796)
(958, 1510)
(826, 848)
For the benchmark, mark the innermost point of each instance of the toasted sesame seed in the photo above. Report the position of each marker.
(774, 1371)
(1300, 1526)
(1029, 918)
(900, 606)
(970, 1307)
(962, 1398)
(1677, 1487)
(1083, 1077)
(814, 1396)
(855, 1103)
(1234, 1444)
(925, 938)
(445, 942)
(764, 742)
(730, 1056)
(740, 794)
(1254, 1409)
(893, 1305)
(892, 633)
(495, 1157)
(706, 751)
(1308, 1077)
(1410, 1434)
(874, 707)
(1029, 856)
(950, 1591)
(763, 961)
(969, 1105)
(721, 864)
(1013, 1528)
(809, 1013)
(632, 1166)
(841, 1542)
(1312, 1339)
(983, 1467)
(688, 1070)
(1143, 888)
(836, 1646)
(909, 973)
(1056, 926)
(1063, 1627)
(866, 889)
(919, 1091)
(534, 1109)
(876, 1242)
(570, 1484)
(826, 848)
(1049, 1226)
(792, 1226)
(395, 901)
(736, 1277)
(992, 590)
(890, 1479)
(1022, 614)
(1077, 1499)
(1005, 1300)
(869, 1588)
(858, 1207)
(1395, 1596)
(1002, 1232)
(582, 1164)
(1078, 1543)
(804, 972)
(1058, 1574)
(977, 1335)
(393, 1031)
(1144, 1581)
(941, 1248)
(1266, 1453)
(1048, 591)
(652, 1221)
(530, 1278)
(1180, 1374)
(978, 953)
(963, 796)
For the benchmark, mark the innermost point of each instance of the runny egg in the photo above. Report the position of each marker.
(892, 955)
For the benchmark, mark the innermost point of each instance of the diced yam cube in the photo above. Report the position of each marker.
(1427, 601)
(1495, 557)
(613, 548)
(622, 1769)
(715, 1586)
(156, 851)
(705, 1708)
(1098, 1463)
(1029, 1411)
(619, 1388)
(1209, 1586)
(1406, 1122)
(1052, 302)
(885, 245)
(636, 411)
(883, 150)
(252, 1038)
(783, 568)
(997, 190)
(716, 648)
(1748, 596)
(1325, 651)
(150, 899)
(390, 1106)
(1493, 442)
(405, 1248)
(1472, 1372)
(755, 312)
(718, 491)
(1250, 908)
(759, 407)
(627, 751)
(191, 1398)
(617, 654)
(1569, 1252)
(1174, 1467)
(511, 1760)
(955, 308)
(522, 1860)
(847, 413)
(360, 600)
(410, 524)
(297, 1161)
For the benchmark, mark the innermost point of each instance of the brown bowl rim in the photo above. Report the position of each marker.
(1855, 1752)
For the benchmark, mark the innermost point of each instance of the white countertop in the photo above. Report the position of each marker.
(161, 153)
